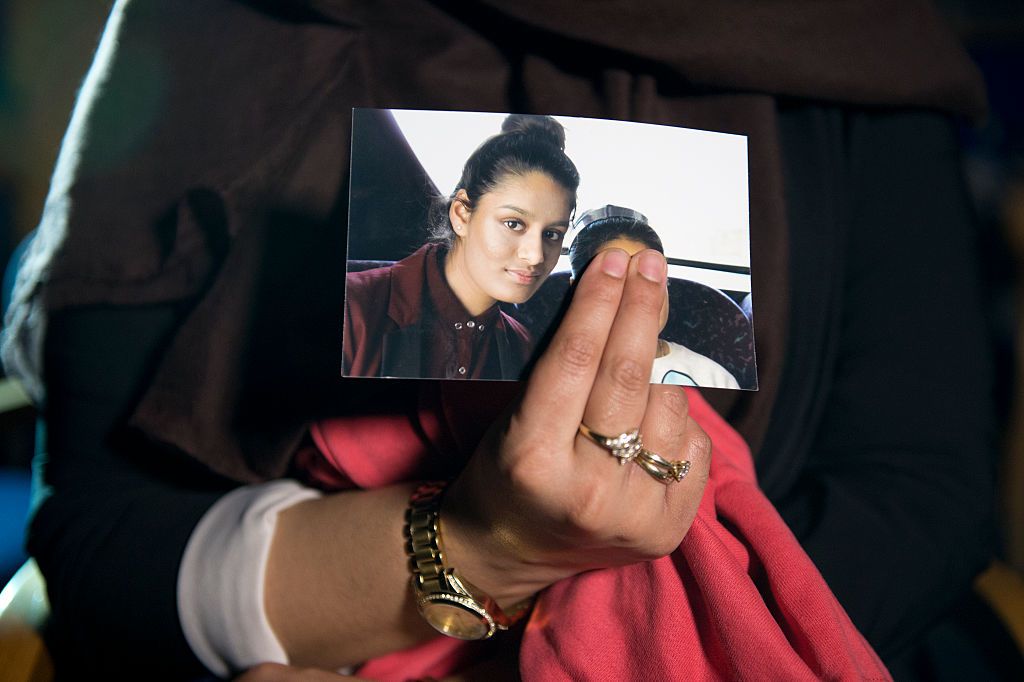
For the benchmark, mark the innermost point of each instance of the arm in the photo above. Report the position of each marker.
(102, 533)
(117, 511)
(112, 531)
(535, 504)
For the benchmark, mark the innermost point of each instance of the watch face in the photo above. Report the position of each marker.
(456, 618)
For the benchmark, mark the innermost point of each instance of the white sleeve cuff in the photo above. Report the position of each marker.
(220, 583)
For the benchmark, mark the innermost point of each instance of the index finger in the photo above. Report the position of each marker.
(560, 384)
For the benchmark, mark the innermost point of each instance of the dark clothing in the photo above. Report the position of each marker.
(192, 276)
(220, 169)
(404, 321)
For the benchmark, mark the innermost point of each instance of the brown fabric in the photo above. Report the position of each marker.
(223, 175)
(868, 52)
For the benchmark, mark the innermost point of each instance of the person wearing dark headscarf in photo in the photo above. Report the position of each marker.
(622, 228)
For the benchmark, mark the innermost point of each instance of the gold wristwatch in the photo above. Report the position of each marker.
(450, 603)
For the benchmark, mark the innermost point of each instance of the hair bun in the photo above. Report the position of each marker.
(608, 211)
(543, 128)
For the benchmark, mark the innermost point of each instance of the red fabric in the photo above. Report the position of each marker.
(739, 599)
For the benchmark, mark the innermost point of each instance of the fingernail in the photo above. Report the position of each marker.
(651, 265)
(615, 263)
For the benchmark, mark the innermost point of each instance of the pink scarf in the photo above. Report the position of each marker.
(739, 599)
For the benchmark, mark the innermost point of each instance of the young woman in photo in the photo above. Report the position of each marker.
(435, 313)
(622, 228)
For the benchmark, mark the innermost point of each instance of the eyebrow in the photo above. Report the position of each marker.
(524, 212)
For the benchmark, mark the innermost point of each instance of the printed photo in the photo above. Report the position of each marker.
(468, 229)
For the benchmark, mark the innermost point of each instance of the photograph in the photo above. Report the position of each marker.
(468, 230)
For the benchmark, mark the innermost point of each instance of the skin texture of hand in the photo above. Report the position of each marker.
(538, 502)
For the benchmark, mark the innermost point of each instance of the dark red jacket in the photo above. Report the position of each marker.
(385, 331)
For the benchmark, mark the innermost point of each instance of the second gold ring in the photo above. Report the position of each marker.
(663, 470)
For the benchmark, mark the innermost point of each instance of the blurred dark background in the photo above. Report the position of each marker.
(45, 49)
(46, 46)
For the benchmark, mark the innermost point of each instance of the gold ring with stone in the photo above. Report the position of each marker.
(624, 447)
(663, 470)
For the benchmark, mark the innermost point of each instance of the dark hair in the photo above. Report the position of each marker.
(526, 143)
(598, 231)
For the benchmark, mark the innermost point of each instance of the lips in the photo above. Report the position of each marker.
(523, 276)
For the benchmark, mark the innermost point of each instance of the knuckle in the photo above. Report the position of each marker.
(642, 543)
(643, 534)
(665, 545)
(654, 547)
(606, 293)
(703, 476)
(585, 510)
(577, 352)
(648, 300)
(628, 375)
(698, 448)
(521, 464)
(522, 472)
(698, 451)
(667, 416)
(666, 536)
(675, 402)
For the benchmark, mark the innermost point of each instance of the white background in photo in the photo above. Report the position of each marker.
(691, 184)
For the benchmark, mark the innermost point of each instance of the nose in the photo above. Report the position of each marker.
(531, 247)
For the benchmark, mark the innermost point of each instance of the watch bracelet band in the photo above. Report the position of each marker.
(422, 539)
(427, 561)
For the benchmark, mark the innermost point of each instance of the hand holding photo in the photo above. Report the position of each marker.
(615, 227)
(469, 284)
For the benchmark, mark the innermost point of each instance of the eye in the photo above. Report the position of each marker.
(554, 236)
(513, 224)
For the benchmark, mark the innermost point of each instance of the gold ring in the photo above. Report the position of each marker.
(624, 447)
(663, 470)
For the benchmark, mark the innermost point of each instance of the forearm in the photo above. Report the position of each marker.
(337, 587)
(115, 513)
(111, 577)
(337, 582)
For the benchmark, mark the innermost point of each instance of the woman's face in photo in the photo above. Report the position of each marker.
(508, 244)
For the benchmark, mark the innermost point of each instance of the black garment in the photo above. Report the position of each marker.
(115, 511)
(885, 468)
(191, 240)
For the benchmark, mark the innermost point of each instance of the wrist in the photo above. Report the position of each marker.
(491, 554)
(444, 595)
